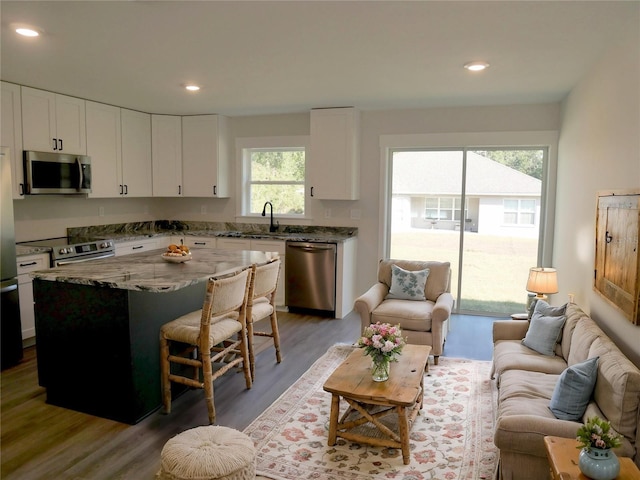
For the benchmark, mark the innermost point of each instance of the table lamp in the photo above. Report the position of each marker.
(541, 281)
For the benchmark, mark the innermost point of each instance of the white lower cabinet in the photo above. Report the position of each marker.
(27, 264)
(224, 243)
(136, 246)
(195, 243)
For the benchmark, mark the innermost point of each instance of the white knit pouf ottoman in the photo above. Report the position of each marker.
(208, 453)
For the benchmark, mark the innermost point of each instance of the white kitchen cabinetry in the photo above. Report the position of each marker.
(224, 243)
(104, 146)
(280, 248)
(166, 154)
(136, 246)
(11, 131)
(205, 156)
(334, 157)
(53, 122)
(195, 243)
(26, 264)
(136, 154)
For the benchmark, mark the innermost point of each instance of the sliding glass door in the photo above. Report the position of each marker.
(479, 210)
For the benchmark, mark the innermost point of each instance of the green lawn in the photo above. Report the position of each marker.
(495, 268)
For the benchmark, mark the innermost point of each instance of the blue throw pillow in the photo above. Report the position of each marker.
(573, 390)
(407, 285)
(544, 332)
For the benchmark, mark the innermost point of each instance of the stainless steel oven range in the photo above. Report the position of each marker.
(65, 251)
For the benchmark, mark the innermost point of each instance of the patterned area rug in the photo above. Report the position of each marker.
(451, 439)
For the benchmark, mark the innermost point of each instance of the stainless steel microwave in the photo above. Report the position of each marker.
(56, 173)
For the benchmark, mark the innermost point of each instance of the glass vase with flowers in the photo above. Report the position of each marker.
(383, 343)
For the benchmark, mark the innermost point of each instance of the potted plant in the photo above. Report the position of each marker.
(596, 440)
(382, 342)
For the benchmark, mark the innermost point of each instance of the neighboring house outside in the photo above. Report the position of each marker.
(427, 189)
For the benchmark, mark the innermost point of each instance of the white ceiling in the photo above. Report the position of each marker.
(273, 57)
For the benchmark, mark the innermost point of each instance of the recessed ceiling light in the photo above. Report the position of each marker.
(192, 88)
(27, 32)
(476, 66)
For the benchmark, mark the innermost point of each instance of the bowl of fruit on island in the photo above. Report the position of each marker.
(177, 254)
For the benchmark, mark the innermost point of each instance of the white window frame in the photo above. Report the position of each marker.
(244, 145)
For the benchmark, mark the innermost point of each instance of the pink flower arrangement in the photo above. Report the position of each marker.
(382, 340)
(597, 433)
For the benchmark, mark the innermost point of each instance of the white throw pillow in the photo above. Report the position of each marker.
(407, 285)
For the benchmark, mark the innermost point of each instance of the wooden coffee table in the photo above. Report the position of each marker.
(369, 401)
(563, 459)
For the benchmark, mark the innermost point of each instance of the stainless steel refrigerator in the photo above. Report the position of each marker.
(10, 326)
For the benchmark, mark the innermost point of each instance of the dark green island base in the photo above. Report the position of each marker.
(98, 345)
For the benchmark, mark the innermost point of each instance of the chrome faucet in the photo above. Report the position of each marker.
(272, 227)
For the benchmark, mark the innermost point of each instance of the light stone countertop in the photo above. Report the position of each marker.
(147, 271)
(23, 250)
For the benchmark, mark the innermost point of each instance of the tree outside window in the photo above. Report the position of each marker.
(276, 175)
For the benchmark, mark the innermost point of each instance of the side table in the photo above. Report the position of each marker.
(563, 459)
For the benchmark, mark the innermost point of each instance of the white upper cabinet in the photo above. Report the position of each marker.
(11, 130)
(334, 159)
(205, 156)
(53, 122)
(104, 146)
(166, 152)
(136, 154)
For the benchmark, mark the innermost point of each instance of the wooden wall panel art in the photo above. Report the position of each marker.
(617, 263)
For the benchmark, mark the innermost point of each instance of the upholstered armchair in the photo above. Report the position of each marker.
(397, 298)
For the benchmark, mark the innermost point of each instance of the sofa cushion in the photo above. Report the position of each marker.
(512, 355)
(573, 390)
(407, 284)
(544, 332)
(584, 333)
(410, 315)
(573, 314)
(439, 280)
(617, 390)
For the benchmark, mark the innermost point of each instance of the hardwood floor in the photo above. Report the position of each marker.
(41, 441)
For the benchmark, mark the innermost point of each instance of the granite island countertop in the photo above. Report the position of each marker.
(147, 271)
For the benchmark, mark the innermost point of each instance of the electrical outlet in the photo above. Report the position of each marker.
(203, 209)
(327, 213)
(101, 211)
(355, 214)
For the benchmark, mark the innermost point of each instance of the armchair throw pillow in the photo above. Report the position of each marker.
(573, 390)
(406, 284)
(544, 332)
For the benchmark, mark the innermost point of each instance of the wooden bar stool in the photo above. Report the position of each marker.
(261, 305)
(210, 335)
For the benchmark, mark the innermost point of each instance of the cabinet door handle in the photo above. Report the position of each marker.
(121, 189)
(60, 144)
(199, 243)
(138, 247)
(126, 189)
(28, 264)
(312, 191)
(21, 189)
(179, 189)
(214, 190)
(55, 144)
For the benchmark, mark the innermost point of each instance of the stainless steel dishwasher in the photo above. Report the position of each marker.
(311, 276)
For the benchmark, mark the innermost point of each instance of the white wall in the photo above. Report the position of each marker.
(599, 149)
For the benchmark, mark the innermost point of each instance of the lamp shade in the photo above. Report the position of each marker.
(542, 280)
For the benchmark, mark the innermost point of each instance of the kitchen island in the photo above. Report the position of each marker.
(98, 325)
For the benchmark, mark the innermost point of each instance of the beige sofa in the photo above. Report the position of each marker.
(526, 381)
(424, 322)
